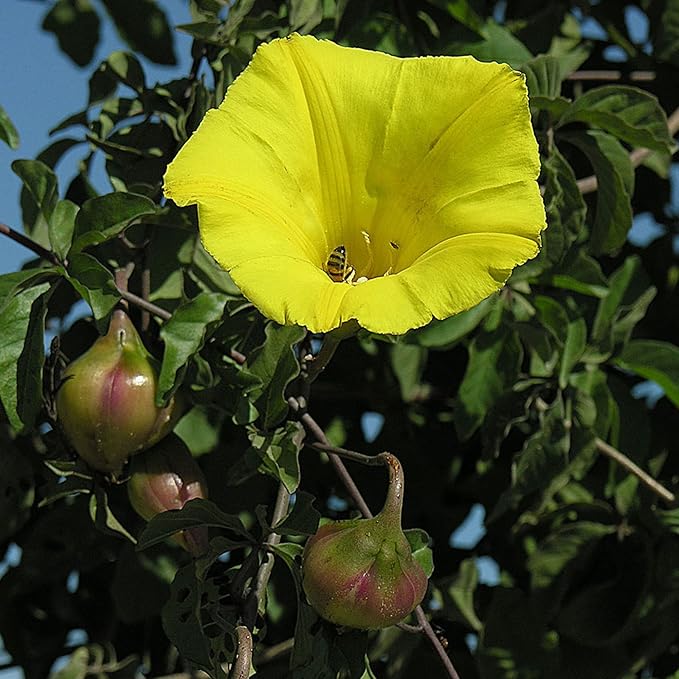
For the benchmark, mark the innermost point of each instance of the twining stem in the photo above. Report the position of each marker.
(315, 430)
(243, 660)
(256, 598)
(624, 461)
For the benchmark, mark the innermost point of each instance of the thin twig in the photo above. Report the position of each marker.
(632, 76)
(274, 652)
(312, 426)
(243, 660)
(256, 597)
(591, 184)
(624, 461)
(28, 243)
(315, 430)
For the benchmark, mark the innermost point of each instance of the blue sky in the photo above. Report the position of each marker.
(40, 86)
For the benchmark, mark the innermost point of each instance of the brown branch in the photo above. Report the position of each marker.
(243, 660)
(315, 430)
(591, 184)
(28, 243)
(632, 76)
(624, 461)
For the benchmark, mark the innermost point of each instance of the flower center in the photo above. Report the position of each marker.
(354, 265)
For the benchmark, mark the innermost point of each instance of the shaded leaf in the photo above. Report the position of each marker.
(420, 545)
(143, 26)
(303, 518)
(655, 360)
(196, 512)
(76, 26)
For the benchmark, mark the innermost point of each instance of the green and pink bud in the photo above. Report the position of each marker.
(106, 401)
(167, 477)
(361, 573)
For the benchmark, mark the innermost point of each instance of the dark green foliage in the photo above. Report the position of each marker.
(506, 408)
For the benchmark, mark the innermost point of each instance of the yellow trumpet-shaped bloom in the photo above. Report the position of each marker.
(336, 183)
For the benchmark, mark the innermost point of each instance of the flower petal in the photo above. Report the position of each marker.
(422, 168)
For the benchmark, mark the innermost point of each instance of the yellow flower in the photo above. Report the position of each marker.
(423, 170)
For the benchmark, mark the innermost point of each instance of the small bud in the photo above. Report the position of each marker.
(361, 573)
(167, 477)
(106, 401)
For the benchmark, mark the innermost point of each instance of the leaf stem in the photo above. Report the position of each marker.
(624, 461)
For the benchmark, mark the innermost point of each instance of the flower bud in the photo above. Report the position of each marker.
(106, 401)
(361, 573)
(167, 477)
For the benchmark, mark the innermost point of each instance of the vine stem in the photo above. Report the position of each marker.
(256, 597)
(334, 455)
(28, 243)
(243, 660)
(624, 461)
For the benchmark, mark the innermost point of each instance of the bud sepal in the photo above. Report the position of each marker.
(166, 477)
(106, 401)
(361, 573)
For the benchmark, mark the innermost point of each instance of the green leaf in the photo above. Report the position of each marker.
(22, 355)
(76, 26)
(543, 76)
(17, 489)
(305, 15)
(276, 365)
(566, 211)
(458, 594)
(41, 184)
(445, 334)
(560, 547)
(655, 360)
(12, 283)
(629, 295)
(408, 362)
(94, 283)
(274, 453)
(420, 545)
(628, 113)
(143, 26)
(182, 618)
(61, 226)
(303, 518)
(184, 335)
(127, 69)
(8, 133)
(666, 39)
(615, 187)
(574, 346)
(77, 666)
(104, 518)
(494, 360)
(196, 512)
(499, 44)
(104, 217)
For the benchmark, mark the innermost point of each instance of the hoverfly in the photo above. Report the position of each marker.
(338, 267)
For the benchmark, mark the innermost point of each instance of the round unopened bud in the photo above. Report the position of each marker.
(361, 573)
(106, 401)
(166, 477)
